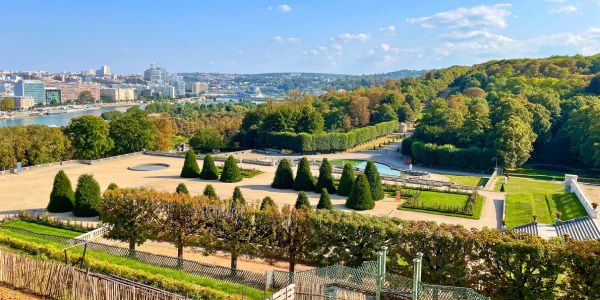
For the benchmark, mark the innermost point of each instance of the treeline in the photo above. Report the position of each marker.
(504, 265)
(449, 155)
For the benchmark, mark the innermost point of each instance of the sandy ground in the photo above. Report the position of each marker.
(592, 191)
(9, 294)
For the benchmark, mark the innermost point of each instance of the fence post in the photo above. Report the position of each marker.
(417, 275)
(380, 272)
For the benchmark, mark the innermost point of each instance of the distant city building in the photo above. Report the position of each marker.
(33, 88)
(118, 94)
(179, 84)
(88, 72)
(71, 90)
(103, 71)
(53, 96)
(23, 102)
(199, 88)
(156, 74)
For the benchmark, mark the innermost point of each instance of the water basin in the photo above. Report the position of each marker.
(149, 167)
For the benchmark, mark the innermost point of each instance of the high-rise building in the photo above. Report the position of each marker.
(33, 88)
(155, 74)
(103, 71)
(53, 96)
(88, 72)
(199, 88)
(179, 84)
(71, 90)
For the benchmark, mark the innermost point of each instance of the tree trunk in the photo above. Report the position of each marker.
(132, 248)
(234, 259)
(292, 268)
(179, 256)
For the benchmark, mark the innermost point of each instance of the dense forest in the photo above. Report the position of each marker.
(509, 112)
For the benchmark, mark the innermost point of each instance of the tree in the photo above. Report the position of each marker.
(181, 188)
(207, 139)
(346, 181)
(582, 279)
(325, 200)
(112, 186)
(514, 141)
(164, 131)
(130, 214)
(284, 176)
(594, 86)
(237, 196)
(62, 198)
(294, 233)
(267, 203)
(384, 113)
(231, 172)
(190, 166)
(209, 169)
(304, 180)
(87, 197)
(209, 191)
(374, 179)
(132, 132)
(360, 196)
(86, 97)
(48, 144)
(302, 201)
(359, 109)
(325, 180)
(7, 104)
(90, 137)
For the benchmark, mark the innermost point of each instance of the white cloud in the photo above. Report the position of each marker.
(569, 9)
(481, 16)
(284, 8)
(388, 29)
(336, 46)
(480, 34)
(290, 40)
(385, 47)
(349, 37)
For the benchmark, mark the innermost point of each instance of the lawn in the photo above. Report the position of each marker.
(521, 207)
(433, 198)
(467, 180)
(520, 185)
(342, 162)
(376, 142)
(587, 175)
(125, 262)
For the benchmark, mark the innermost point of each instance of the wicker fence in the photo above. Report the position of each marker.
(64, 282)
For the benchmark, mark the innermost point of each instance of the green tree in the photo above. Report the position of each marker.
(594, 86)
(346, 181)
(302, 201)
(284, 176)
(267, 202)
(209, 169)
(304, 180)
(514, 141)
(90, 137)
(209, 191)
(112, 186)
(360, 196)
(87, 197)
(231, 172)
(237, 196)
(374, 179)
(48, 144)
(384, 113)
(181, 188)
(294, 234)
(62, 198)
(133, 132)
(7, 104)
(190, 166)
(324, 200)
(325, 179)
(86, 97)
(207, 139)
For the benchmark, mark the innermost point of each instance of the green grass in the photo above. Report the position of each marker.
(342, 162)
(466, 180)
(127, 262)
(521, 207)
(519, 185)
(246, 173)
(587, 175)
(445, 199)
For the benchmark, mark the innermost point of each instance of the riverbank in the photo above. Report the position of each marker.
(63, 109)
(62, 117)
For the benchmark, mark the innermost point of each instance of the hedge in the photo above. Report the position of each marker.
(326, 142)
(451, 156)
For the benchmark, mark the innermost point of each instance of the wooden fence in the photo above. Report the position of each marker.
(286, 293)
(64, 282)
(306, 291)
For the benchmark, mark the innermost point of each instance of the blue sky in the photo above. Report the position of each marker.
(354, 37)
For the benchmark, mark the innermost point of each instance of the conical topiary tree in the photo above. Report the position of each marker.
(237, 196)
(284, 176)
(502, 188)
(324, 200)
(112, 186)
(325, 180)
(190, 166)
(346, 181)
(302, 201)
(182, 189)
(267, 202)
(209, 191)
(62, 198)
(374, 181)
(360, 196)
(87, 197)
(231, 172)
(209, 170)
(304, 180)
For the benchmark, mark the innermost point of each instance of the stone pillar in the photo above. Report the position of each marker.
(569, 179)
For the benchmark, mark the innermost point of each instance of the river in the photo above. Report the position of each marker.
(59, 120)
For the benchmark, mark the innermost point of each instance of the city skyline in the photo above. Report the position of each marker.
(290, 36)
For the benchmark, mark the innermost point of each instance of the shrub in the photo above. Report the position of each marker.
(237, 196)
(346, 181)
(284, 176)
(304, 180)
(360, 196)
(182, 189)
(325, 180)
(190, 166)
(302, 201)
(209, 191)
(374, 181)
(62, 198)
(324, 200)
(112, 186)
(209, 170)
(502, 188)
(267, 202)
(231, 171)
(87, 197)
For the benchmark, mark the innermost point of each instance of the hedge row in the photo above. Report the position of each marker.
(448, 155)
(326, 142)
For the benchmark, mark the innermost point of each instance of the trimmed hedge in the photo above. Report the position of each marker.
(360, 196)
(326, 142)
(209, 191)
(237, 196)
(304, 180)
(190, 167)
(325, 200)
(87, 197)
(302, 201)
(451, 156)
(374, 181)
(62, 197)
(346, 181)
(182, 189)
(267, 202)
(325, 180)
(209, 169)
(284, 176)
(231, 172)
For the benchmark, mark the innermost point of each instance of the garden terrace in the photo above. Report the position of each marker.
(445, 203)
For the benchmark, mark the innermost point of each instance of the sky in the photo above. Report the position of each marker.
(332, 36)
